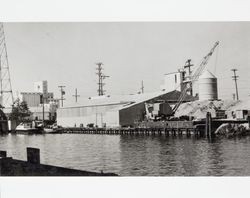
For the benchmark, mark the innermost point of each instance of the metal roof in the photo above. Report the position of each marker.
(207, 74)
(125, 101)
(116, 99)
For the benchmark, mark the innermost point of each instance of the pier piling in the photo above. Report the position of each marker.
(33, 155)
(3, 154)
(208, 125)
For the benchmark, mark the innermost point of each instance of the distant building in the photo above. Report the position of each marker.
(204, 88)
(178, 81)
(41, 87)
(36, 99)
(33, 99)
(172, 81)
(49, 112)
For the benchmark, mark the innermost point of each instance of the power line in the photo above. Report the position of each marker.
(235, 78)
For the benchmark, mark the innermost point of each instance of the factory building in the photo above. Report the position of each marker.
(172, 81)
(179, 80)
(205, 88)
(40, 95)
(116, 111)
(36, 99)
(49, 112)
(41, 87)
(33, 99)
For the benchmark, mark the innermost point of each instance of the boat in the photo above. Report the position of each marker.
(52, 129)
(27, 128)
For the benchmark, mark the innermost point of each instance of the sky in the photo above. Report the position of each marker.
(66, 53)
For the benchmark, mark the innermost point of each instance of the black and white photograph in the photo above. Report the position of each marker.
(147, 99)
(127, 99)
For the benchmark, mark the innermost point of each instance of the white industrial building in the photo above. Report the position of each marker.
(115, 111)
(48, 112)
(36, 99)
(172, 81)
(205, 87)
(178, 80)
(41, 86)
(33, 99)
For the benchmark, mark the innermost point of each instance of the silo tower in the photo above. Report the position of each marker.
(208, 86)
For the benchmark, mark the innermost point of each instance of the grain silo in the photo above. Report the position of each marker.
(208, 86)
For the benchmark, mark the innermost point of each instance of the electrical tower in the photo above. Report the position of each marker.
(235, 78)
(6, 95)
(62, 94)
(101, 78)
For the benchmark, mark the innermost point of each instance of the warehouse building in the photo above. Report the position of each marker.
(116, 111)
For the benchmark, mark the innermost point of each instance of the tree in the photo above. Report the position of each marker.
(1, 107)
(20, 111)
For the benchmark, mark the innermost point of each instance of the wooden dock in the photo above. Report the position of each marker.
(203, 128)
(135, 131)
(33, 167)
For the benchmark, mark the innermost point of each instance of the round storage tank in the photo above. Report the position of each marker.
(208, 86)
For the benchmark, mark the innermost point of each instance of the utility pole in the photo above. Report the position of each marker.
(188, 65)
(76, 96)
(62, 93)
(101, 78)
(142, 87)
(235, 78)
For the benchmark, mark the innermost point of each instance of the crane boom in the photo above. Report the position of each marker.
(195, 76)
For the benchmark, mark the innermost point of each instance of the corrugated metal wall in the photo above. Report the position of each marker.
(97, 115)
(108, 119)
(84, 111)
(32, 100)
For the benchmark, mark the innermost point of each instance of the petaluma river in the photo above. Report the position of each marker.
(136, 155)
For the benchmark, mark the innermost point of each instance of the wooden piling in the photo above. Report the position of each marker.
(3, 154)
(33, 155)
(208, 128)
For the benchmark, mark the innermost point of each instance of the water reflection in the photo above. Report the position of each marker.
(169, 156)
(136, 155)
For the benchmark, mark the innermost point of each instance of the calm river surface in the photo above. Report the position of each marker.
(136, 155)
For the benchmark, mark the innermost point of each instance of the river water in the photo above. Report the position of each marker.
(136, 155)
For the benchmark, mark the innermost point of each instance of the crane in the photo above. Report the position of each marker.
(195, 76)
